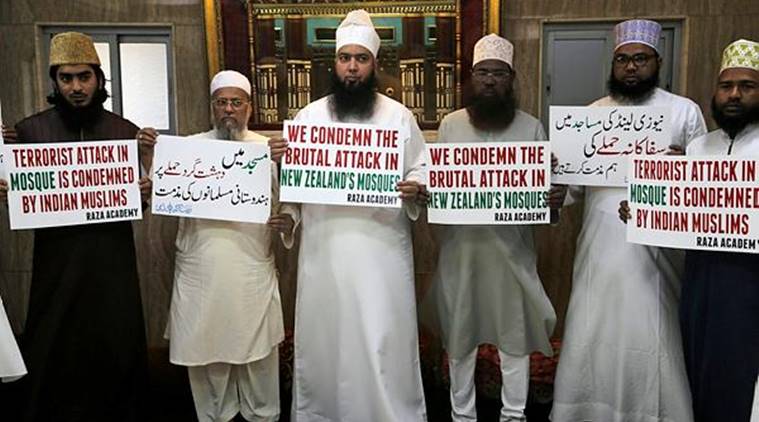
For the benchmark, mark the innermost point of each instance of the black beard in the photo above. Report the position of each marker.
(492, 113)
(76, 118)
(634, 94)
(733, 125)
(354, 100)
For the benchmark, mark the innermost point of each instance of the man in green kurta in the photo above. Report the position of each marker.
(84, 339)
(487, 287)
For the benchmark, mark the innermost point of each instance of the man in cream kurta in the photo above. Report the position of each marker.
(225, 321)
(621, 357)
(356, 346)
(486, 284)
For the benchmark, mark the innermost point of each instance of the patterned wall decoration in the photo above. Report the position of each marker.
(287, 48)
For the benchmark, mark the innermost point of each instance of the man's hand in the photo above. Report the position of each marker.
(278, 147)
(9, 134)
(556, 196)
(282, 223)
(675, 150)
(146, 186)
(146, 140)
(3, 191)
(554, 162)
(413, 191)
(624, 211)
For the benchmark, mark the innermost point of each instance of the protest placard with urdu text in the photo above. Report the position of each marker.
(593, 143)
(72, 183)
(708, 203)
(213, 179)
(342, 164)
(488, 183)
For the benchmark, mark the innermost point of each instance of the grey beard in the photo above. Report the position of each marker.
(230, 134)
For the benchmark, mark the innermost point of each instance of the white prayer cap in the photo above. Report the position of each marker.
(640, 31)
(357, 28)
(493, 47)
(230, 78)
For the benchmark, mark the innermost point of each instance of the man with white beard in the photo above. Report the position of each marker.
(226, 315)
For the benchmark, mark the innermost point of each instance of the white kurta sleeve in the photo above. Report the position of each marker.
(755, 411)
(540, 133)
(294, 211)
(11, 363)
(695, 125)
(443, 132)
(575, 194)
(414, 162)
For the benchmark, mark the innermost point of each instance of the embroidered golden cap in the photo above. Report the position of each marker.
(72, 48)
(741, 53)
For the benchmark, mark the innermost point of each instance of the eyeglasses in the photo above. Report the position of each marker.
(497, 74)
(222, 102)
(639, 60)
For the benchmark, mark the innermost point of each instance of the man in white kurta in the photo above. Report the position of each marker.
(486, 285)
(356, 346)
(225, 321)
(621, 357)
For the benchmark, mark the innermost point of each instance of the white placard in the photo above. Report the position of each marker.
(72, 183)
(342, 164)
(593, 143)
(708, 203)
(488, 183)
(205, 178)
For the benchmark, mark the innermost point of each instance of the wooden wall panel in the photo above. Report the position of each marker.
(236, 38)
